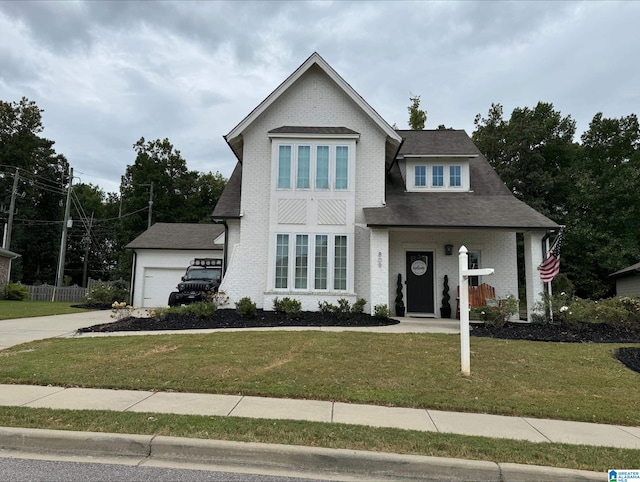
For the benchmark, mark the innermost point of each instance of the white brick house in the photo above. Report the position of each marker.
(328, 201)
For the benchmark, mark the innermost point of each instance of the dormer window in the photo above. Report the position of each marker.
(437, 174)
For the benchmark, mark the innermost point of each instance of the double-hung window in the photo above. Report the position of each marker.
(438, 176)
(282, 261)
(302, 260)
(309, 166)
(321, 262)
(455, 176)
(421, 176)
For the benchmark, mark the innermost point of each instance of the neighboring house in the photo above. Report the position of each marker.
(161, 255)
(628, 281)
(6, 257)
(328, 201)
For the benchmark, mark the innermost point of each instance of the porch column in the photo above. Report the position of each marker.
(379, 267)
(533, 259)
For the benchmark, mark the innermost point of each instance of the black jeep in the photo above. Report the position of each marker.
(202, 278)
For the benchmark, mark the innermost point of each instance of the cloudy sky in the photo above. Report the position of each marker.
(108, 73)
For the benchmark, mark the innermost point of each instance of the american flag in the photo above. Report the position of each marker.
(550, 267)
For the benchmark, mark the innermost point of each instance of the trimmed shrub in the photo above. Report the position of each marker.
(246, 308)
(290, 306)
(16, 292)
(381, 311)
(358, 306)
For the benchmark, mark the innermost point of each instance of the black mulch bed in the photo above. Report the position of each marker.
(230, 319)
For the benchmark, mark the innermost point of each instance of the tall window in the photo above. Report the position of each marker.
(321, 262)
(284, 167)
(342, 167)
(302, 257)
(421, 176)
(438, 175)
(282, 260)
(304, 167)
(340, 267)
(322, 167)
(455, 176)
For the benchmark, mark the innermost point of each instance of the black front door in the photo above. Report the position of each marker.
(420, 282)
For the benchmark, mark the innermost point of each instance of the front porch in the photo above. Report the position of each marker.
(422, 258)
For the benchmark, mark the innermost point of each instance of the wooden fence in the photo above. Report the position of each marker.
(72, 294)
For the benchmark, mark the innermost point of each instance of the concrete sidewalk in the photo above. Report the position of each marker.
(495, 426)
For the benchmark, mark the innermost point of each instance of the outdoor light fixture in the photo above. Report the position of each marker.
(448, 249)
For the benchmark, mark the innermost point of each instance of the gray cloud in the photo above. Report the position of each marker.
(107, 73)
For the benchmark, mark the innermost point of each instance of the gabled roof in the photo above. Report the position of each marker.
(228, 206)
(488, 205)
(181, 236)
(634, 269)
(234, 138)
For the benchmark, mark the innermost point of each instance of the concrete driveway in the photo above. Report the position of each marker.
(22, 330)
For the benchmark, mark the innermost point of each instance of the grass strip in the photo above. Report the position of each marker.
(316, 434)
(569, 381)
(27, 309)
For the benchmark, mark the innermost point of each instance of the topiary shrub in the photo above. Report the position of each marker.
(16, 292)
(399, 301)
(246, 308)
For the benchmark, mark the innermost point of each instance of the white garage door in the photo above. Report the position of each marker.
(158, 283)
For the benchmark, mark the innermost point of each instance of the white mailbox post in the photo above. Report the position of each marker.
(463, 283)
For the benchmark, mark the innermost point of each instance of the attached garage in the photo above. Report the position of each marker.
(161, 255)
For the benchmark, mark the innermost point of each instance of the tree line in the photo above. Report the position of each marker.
(592, 187)
(103, 223)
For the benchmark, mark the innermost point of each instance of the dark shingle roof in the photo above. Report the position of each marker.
(489, 204)
(228, 206)
(312, 130)
(634, 269)
(447, 142)
(178, 236)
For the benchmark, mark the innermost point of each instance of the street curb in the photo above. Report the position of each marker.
(271, 458)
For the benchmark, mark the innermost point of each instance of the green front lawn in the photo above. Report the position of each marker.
(27, 309)
(549, 380)
(316, 434)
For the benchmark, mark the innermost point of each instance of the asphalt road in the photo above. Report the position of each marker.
(29, 470)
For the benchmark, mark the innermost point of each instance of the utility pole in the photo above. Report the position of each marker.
(63, 240)
(85, 265)
(12, 207)
(150, 205)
